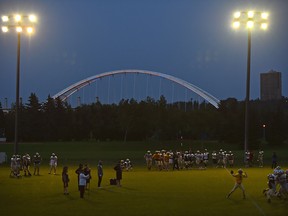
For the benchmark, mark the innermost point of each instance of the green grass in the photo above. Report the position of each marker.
(186, 192)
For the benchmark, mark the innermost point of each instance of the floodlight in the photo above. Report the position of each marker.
(30, 30)
(264, 15)
(236, 24)
(4, 29)
(250, 24)
(250, 14)
(237, 14)
(19, 29)
(264, 26)
(32, 18)
(5, 18)
(17, 18)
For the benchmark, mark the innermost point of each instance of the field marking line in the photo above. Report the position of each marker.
(252, 200)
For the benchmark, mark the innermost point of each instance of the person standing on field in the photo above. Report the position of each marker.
(37, 161)
(238, 184)
(82, 183)
(274, 160)
(100, 173)
(78, 171)
(118, 170)
(65, 179)
(53, 163)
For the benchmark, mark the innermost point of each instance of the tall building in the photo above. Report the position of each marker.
(270, 85)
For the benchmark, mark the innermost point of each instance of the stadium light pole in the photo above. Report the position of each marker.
(21, 23)
(249, 20)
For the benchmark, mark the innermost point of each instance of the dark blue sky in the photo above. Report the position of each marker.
(189, 39)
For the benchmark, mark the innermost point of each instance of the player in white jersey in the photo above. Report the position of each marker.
(148, 158)
(214, 158)
(230, 157)
(15, 171)
(26, 159)
(53, 163)
(260, 158)
(271, 190)
(206, 158)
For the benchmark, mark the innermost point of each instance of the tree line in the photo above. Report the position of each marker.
(149, 119)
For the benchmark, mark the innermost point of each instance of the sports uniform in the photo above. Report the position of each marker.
(148, 158)
(271, 190)
(37, 161)
(26, 164)
(53, 163)
(238, 184)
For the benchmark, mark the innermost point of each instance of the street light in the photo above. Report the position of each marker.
(21, 23)
(264, 132)
(249, 20)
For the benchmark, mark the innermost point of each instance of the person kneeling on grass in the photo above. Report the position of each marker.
(238, 184)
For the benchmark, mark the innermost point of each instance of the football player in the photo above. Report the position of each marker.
(238, 184)
(37, 161)
(271, 190)
(148, 158)
(26, 164)
(53, 163)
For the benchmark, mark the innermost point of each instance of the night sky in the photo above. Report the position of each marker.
(189, 39)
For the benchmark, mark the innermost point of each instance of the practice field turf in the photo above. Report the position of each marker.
(143, 192)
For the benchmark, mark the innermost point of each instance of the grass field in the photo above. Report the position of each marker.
(143, 192)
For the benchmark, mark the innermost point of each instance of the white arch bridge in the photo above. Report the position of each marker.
(67, 92)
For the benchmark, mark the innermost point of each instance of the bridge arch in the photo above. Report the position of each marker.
(67, 92)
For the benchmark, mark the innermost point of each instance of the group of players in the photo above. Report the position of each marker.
(18, 164)
(166, 160)
(277, 184)
(126, 164)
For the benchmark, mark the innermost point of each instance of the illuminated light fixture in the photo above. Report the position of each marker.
(249, 19)
(250, 24)
(264, 15)
(4, 28)
(236, 24)
(250, 14)
(5, 18)
(19, 29)
(32, 18)
(264, 26)
(237, 14)
(17, 18)
(30, 30)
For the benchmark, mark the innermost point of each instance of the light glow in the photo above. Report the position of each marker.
(237, 14)
(19, 29)
(250, 24)
(32, 18)
(264, 26)
(17, 18)
(264, 15)
(250, 14)
(236, 24)
(30, 30)
(4, 29)
(5, 18)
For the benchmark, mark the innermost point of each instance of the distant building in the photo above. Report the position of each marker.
(270, 86)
